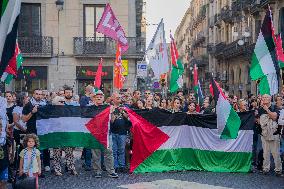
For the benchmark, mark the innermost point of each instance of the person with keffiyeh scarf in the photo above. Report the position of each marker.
(30, 164)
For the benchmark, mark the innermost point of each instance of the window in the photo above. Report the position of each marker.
(92, 16)
(30, 20)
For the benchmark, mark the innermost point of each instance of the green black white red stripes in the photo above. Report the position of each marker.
(13, 66)
(195, 148)
(194, 143)
(264, 64)
(10, 10)
(228, 121)
(66, 126)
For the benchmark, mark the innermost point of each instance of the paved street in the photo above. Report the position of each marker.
(190, 179)
(178, 180)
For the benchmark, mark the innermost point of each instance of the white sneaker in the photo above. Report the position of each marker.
(47, 168)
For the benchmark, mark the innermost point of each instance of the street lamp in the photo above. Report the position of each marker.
(59, 5)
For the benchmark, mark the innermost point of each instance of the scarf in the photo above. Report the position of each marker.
(28, 166)
(39, 103)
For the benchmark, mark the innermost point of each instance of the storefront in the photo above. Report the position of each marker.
(30, 78)
(86, 75)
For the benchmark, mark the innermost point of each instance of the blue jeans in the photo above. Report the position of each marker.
(118, 148)
(88, 157)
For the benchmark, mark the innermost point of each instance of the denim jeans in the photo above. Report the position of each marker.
(118, 148)
(88, 157)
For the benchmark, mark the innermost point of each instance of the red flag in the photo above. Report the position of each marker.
(195, 76)
(99, 127)
(98, 78)
(279, 51)
(147, 138)
(12, 66)
(110, 27)
(118, 77)
(174, 52)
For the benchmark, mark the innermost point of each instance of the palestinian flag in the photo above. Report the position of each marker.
(264, 60)
(177, 68)
(174, 51)
(9, 18)
(13, 66)
(228, 121)
(73, 126)
(197, 89)
(163, 141)
(280, 53)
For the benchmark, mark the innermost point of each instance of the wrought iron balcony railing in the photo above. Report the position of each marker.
(103, 46)
(233, 49)
(36, 46)
(217, 20)
(200, 61)
(200, 38)
(226, 14)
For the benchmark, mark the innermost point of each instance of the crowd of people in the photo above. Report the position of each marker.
(21, 112)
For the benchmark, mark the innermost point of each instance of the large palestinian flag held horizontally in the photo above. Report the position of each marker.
(191, 142)
(69, 126)
(162, 141)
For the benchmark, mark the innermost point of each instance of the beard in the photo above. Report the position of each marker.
(68, 97)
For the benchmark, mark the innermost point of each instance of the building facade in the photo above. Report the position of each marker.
(192, 39)
(233, 28)
(61, 46)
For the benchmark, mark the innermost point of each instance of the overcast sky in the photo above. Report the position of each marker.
(171, 10)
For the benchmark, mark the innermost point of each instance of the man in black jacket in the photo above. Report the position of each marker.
(119, 126)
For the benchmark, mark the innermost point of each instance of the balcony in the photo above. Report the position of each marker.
(237, 7)
(226, 14)
(200, 38)
(106, 47)
(257, 5)
(200, 61)
(217, 50)
(217, 20)
(36, 46)
(233, 49)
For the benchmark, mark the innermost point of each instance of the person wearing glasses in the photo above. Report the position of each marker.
(147, 93)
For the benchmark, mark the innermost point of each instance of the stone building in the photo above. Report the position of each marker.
(233, 27)
(60, 44)
(192, 39)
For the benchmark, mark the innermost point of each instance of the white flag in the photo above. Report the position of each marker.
(157, 52)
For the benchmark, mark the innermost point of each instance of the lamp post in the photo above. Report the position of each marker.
(59, 6)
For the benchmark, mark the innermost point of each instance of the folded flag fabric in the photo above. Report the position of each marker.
(264, 63)
(71, 126)
(190, 142)
(9, 18)
(228, 121)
